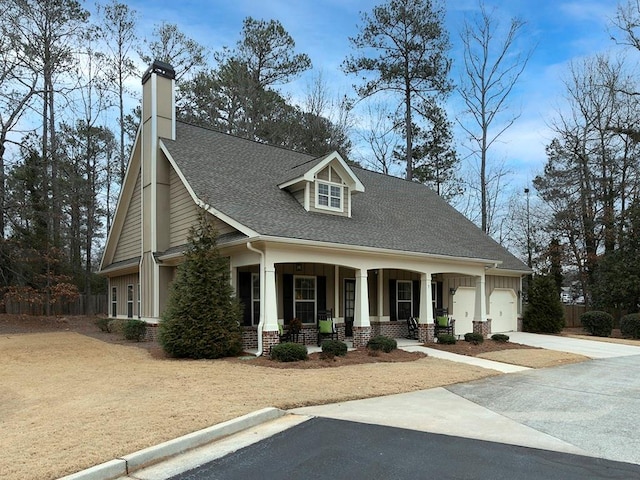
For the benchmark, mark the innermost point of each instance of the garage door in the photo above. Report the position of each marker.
(503, 311)
(464, 304)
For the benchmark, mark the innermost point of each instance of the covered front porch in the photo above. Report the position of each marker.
(368, 294)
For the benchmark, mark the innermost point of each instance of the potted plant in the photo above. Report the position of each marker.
(295, 325)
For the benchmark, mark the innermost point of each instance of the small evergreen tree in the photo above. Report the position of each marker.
(202, 318)
(544, 312)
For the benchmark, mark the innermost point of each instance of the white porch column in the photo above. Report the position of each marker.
(269, 302)
(380, 294)
(336, 291)
(425, 322)
(480, 311)
(361, 313)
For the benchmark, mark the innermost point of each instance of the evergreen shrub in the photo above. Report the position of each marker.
(334, 348)
(202, 317)
(544, 312)
(103, 324)
(446, 339)
(630, 325)
(474, 337)
(382, 342)
(597, 323)
(500, 337)
(288, 352)
(134, 330)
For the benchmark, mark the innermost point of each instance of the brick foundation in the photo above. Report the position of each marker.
(426, 332)
(151, 333)
(483, 328)
(519, 327)
(390, 329)
(361, 336)
(269, 339)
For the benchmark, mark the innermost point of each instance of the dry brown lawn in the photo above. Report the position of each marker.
(73, 397)
(69, 401)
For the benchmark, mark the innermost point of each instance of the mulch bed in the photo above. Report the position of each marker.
(462, 347)
(353, 357)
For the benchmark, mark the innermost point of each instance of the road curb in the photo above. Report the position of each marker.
(123, 466)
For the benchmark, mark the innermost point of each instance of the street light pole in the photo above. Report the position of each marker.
(529, 263)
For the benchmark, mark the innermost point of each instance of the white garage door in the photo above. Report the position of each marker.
(464, 303)
(503, 311)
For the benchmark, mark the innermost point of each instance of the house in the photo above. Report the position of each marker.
(302, 234)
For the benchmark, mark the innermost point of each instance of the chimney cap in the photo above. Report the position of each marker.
(161, 68)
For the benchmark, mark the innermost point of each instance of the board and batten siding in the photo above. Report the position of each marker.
(121, 283)
(130, 242)
(183, 213)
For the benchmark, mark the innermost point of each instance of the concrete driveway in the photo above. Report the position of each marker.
(590, 408)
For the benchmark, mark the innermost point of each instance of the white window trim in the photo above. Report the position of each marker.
(329, 207)
(255, 321)
(315, 296)
(398, 301)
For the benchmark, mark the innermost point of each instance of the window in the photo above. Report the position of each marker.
(329, 196)
(304, 299)
(404, 299)
(129, 301)
(114, 302)
(255, 298)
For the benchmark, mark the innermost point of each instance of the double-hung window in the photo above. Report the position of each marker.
(114, 302)
(129, 301)
(329, 196)
(404, 299)
(304, 298)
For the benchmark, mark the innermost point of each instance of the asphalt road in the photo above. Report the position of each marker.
(323, 448)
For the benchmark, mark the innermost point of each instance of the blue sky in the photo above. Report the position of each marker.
(561, 30)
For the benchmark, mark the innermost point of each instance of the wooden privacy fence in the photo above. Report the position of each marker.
(83, 305)
(572, 315)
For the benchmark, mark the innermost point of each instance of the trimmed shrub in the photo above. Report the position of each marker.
(134, 330)
(288, 352)
(630, 325)
(544, 312)
(446, 339)
(597, 323)
(103, 324)
(381, 342)
(332, 348)
(474, 337)
(500, 337)
(116, 325)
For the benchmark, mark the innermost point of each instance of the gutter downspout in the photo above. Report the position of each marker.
(262, 296)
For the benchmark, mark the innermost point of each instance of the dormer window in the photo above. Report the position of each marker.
(329, 196)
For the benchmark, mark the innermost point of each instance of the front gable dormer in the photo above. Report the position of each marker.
(324, 185)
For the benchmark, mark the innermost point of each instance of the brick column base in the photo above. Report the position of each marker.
(426, 332)
(361, 336)
(269, 339)
(520, 324)
(484, 328)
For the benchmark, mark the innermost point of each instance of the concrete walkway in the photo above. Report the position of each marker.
(588, 348)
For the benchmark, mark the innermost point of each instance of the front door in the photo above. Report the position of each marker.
(349, 306)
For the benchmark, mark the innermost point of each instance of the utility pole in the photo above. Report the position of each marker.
(529, 263)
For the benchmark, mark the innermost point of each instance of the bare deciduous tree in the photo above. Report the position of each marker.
(492, 67)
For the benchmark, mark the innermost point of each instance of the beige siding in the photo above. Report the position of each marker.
(183, 213)
(129, 241)
(121, 283)
(324, 174)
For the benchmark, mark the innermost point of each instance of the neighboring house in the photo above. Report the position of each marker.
(302, 234)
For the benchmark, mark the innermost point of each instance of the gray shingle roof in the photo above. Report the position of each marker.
(240, 178)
